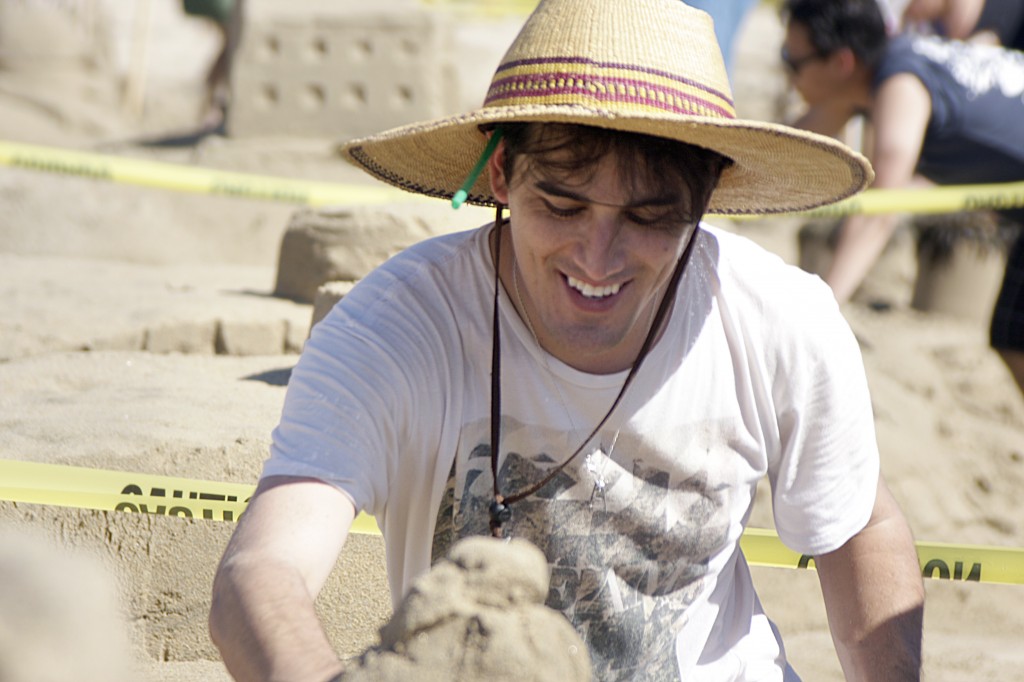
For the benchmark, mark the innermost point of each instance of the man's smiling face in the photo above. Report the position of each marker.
(593, 253)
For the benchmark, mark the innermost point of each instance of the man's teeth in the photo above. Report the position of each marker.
(591, 291)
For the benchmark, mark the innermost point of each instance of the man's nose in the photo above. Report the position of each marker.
(600, 252)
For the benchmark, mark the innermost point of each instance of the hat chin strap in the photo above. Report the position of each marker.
(500, 508)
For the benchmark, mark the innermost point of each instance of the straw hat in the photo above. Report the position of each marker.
(643, 66)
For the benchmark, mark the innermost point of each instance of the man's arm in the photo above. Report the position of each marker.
(957, 20)
(899, 118)
(825, 118)
(262, 617)
(960, 20)
(874, 597)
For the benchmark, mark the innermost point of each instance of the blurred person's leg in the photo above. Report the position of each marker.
(227, 16)
(1007, 330)
(1014, 359)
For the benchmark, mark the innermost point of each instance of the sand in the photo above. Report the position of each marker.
(89, 271)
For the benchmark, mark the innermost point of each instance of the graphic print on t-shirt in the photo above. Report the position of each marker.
(628, 544)
(978, 68)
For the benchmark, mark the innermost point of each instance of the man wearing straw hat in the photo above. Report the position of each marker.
(596, 373)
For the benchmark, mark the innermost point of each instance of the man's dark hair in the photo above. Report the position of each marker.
(654, 163)
(835, 24)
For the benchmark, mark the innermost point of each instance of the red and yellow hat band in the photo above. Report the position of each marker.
(577, 81)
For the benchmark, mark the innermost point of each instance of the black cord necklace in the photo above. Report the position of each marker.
(501, 507)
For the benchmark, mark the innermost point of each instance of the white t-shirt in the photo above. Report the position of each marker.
(757, 374)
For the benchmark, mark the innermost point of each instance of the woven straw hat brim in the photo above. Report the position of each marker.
(776, 169)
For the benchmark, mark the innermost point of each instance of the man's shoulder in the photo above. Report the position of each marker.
(902, 54)
(439, 257)
(744, 257)
(957, 58)
(448, 245)
(434, 274)
(787, 314)
(750, 275)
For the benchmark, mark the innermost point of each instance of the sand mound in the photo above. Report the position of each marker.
(479, 614)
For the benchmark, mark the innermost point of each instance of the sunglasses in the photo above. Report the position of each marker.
(795, 64)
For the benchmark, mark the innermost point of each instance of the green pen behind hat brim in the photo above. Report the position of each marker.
(462, 193)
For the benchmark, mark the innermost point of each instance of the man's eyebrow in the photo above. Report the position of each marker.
(554, 189)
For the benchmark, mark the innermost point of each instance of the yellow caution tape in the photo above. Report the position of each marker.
(945, 199)
(84, 488)
(106, 490)
(975, 563)
(490, 8)
(219, 509)
(182, 178)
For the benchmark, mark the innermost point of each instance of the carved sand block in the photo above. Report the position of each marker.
(961, 261)
(341, 244)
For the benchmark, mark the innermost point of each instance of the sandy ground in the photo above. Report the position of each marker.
(89, 271)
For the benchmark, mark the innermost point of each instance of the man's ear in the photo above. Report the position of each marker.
(496, 172)
(843, 61)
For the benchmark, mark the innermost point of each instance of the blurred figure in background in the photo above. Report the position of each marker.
(227, 16)
(941, 111)
(995, 22)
